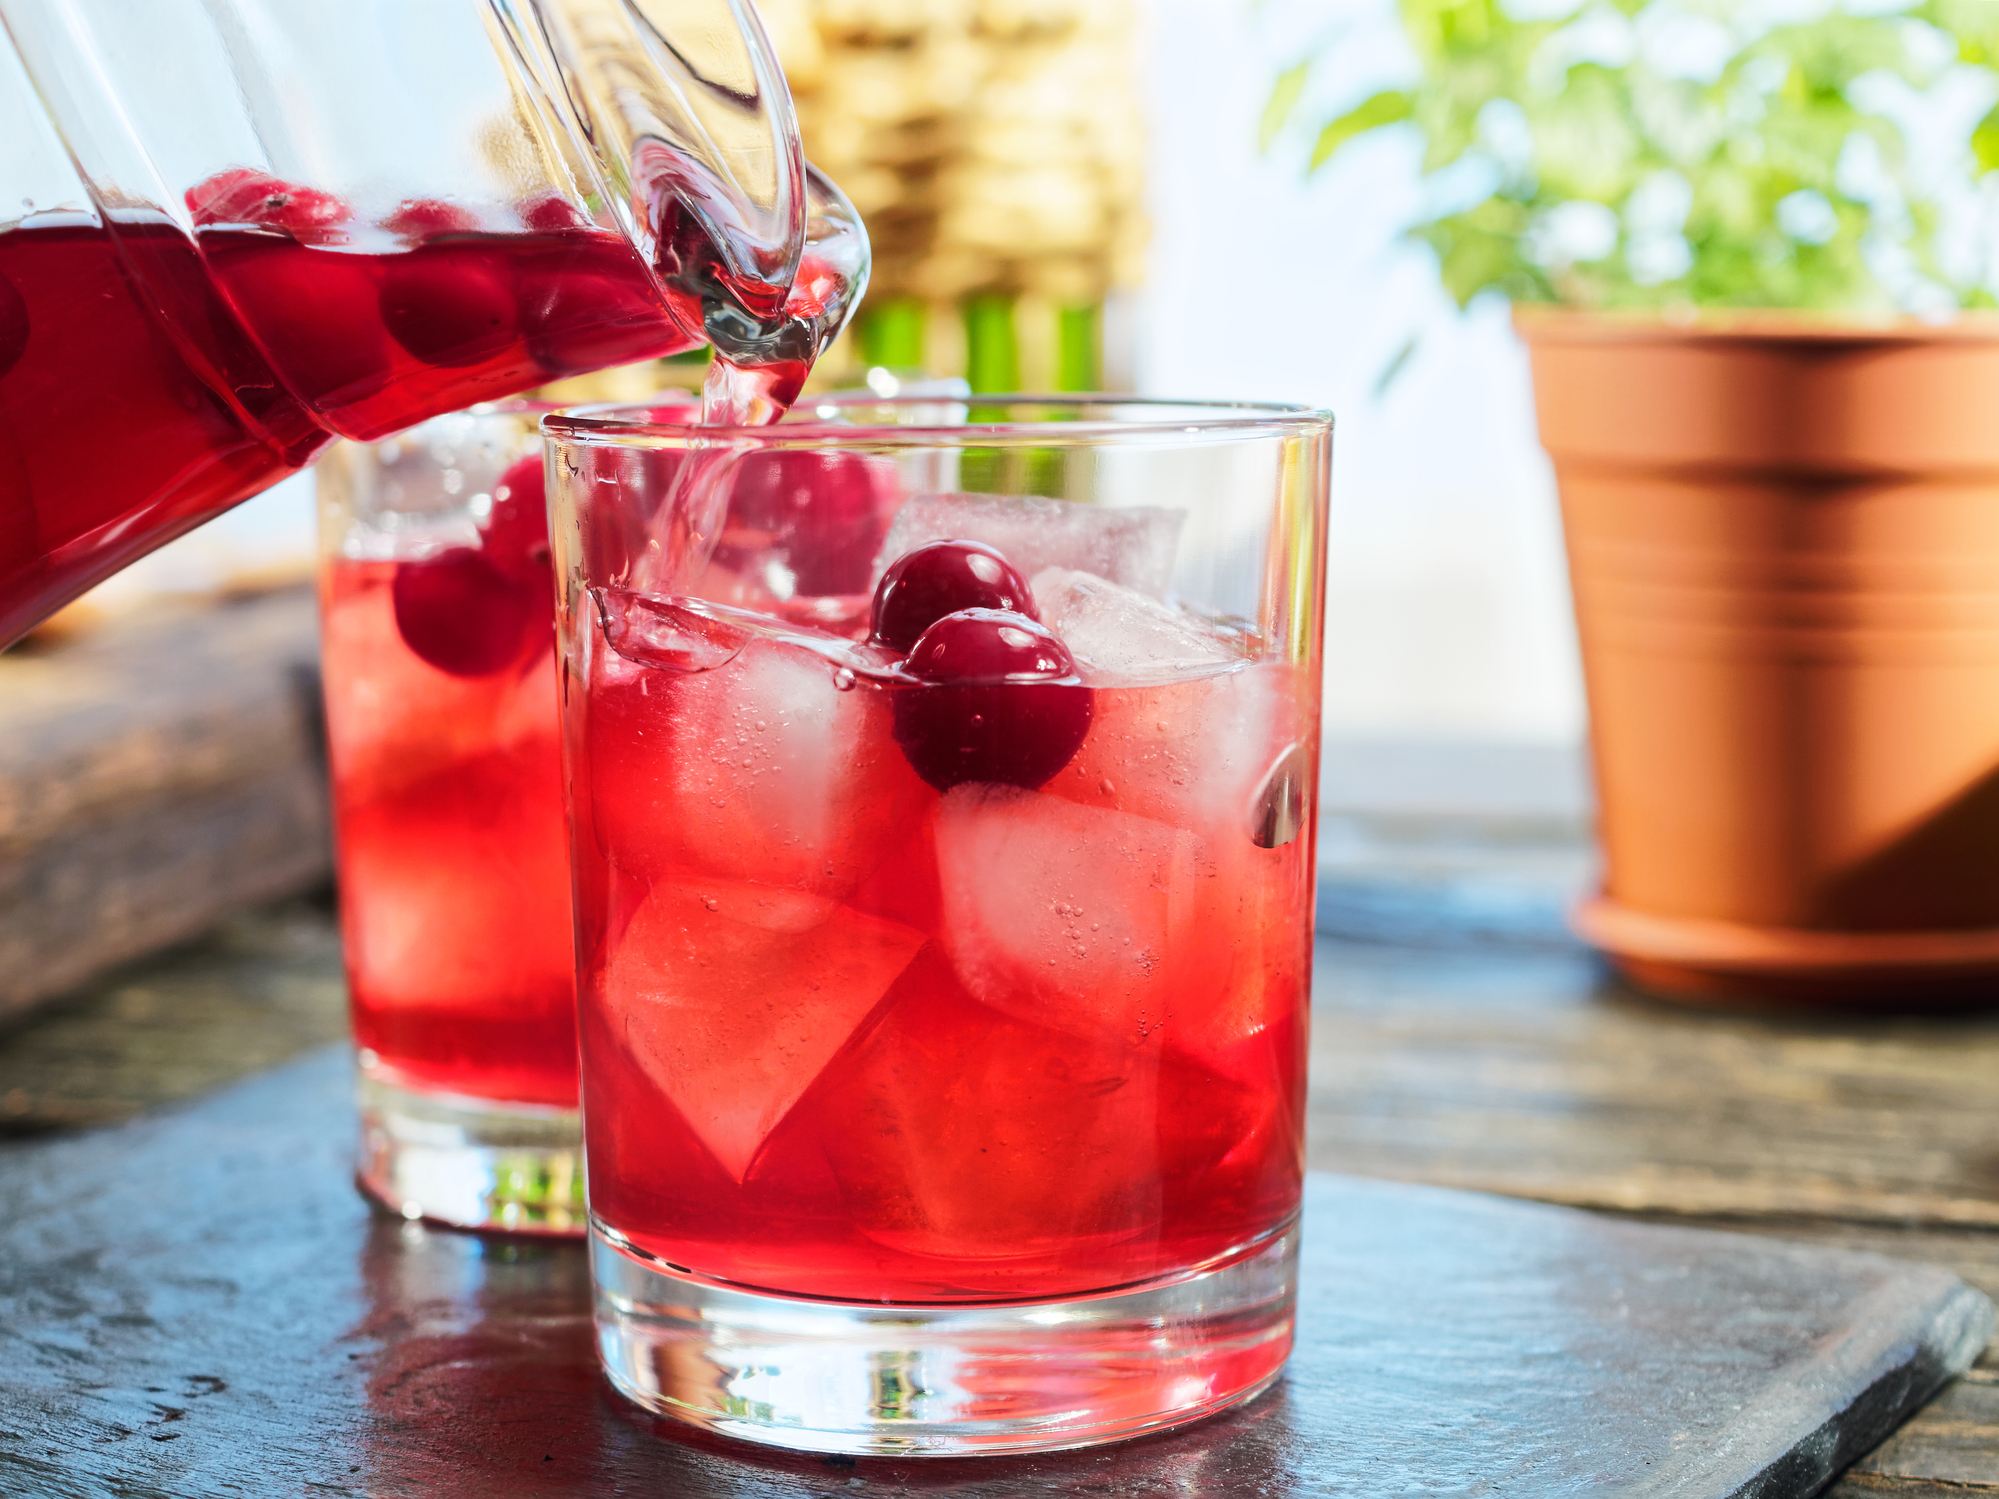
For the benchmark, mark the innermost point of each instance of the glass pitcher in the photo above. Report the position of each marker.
(241, 227)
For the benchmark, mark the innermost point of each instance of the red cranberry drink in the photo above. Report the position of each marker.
(439, 665)
(944, 872)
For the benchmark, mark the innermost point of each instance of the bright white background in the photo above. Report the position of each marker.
(1448, 613)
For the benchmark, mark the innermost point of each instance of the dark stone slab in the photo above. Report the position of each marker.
(198, 1304)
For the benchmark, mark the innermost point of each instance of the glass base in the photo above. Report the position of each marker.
(472, 1162)
(869, 1379)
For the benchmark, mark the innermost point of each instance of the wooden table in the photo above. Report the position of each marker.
(1460, 1039)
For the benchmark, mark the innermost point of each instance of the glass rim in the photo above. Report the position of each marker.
(617, 423)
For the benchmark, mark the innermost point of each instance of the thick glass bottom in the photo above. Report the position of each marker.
(472, 1162)
(861, 1378)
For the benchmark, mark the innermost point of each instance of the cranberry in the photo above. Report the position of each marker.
(939, 578)
(447, 307)
(588, 303)
(13, 325)
(516, 539)
(999, 701)
(425, 218)
(315, 309)
(822, 515)
(463, 615)
(243, 195)
(553, 214)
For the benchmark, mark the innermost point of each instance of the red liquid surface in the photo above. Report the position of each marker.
(453, 857)
(852, 1036)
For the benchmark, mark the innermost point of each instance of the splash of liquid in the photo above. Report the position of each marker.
(762, 357)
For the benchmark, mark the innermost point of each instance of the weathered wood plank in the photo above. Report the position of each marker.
(1533, 1075)
(155, 773)
(1950, 1440)
(1881, 1486)
(255, 991)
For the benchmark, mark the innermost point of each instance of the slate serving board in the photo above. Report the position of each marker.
(199, 1304)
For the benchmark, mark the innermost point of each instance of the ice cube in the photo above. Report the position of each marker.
(1067, 915)
(649, 631)
(733, 998)
(1112, 926)
(763, 770)
(959, 1132)
(1198, 753)
(1131, 546)
(1121, 637)
(455, 888)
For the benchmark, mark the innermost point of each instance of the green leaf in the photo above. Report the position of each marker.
(1283, 99)
(1390, 107)
(1985, 141)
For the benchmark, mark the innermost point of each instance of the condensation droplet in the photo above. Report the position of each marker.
(711, 903)
(844, 679)
(1106, 787)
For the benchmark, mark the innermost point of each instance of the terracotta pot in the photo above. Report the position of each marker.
(1784, 543)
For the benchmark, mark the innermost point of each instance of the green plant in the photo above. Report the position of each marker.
(1662, 153)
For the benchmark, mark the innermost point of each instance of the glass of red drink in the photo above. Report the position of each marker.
(438, 658)
(941, 783)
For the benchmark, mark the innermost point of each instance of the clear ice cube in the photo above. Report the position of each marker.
(973, 1136)
(1198, 753)
(1121, 637)
(1073, 917)
(734, 997)
(1132, 546)
(663, 634)
(765, 769)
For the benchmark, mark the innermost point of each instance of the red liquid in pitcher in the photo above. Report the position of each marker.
(116, 433)
(377, 342)
(143, 392)
(946, 975)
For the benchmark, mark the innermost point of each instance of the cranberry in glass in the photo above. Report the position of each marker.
(553, 215)
(942, 577)
(999, 701)
(13, 325)
(822, 515)
(426, 218)
(243, 196)
(516, 539)
(463, 615)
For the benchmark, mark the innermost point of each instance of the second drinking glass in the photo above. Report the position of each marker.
(438, 657)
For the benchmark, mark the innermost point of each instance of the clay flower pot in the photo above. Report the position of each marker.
(1784, 543)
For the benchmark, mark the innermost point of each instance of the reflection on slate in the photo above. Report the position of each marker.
(199, 1304)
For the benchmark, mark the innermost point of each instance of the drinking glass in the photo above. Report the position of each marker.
(438, 655)
(941, 780)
